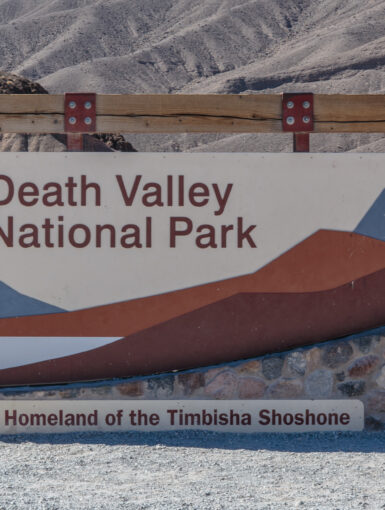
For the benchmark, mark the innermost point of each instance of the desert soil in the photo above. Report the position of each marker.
(193, 470)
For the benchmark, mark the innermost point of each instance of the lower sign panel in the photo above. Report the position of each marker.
(20, 416)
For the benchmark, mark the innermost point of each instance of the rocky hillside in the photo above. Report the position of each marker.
(190, 46)
(14, 84)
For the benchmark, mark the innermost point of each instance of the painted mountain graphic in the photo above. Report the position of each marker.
(327, 286)
(14, 304)
(241, 326)
(373, 223)
(323, 261)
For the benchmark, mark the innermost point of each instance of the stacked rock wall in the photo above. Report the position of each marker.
(341, 369)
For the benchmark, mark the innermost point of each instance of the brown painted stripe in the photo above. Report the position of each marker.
(241, 326)
(325, 260)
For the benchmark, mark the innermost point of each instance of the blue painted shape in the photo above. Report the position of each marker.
(373, 223)
(14, 304)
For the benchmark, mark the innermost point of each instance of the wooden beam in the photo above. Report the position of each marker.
(34, 124)
(349, 127)
(185, 124)
(254, 113)
(255, 106)
(345, 108)
(340, 113)
(24, 104)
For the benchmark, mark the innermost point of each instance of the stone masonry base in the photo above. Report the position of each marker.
(340, 369)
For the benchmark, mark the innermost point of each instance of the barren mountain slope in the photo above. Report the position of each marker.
(195, 46)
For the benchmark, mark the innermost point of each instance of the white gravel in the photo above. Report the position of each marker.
(192, 470)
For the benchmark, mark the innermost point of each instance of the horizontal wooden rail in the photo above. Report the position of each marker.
(255, 113)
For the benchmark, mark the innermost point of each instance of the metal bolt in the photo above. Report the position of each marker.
(72, 120)
(72, 104)
(306, 104)
(88, 105)
(88, 121)
(306, 119)
(290, 104)
(290, 121)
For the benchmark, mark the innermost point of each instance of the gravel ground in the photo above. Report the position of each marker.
(192, 470)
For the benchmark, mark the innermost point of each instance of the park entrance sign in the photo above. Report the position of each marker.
(116, 265)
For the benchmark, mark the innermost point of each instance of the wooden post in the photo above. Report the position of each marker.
(74, 142)
(301, 142)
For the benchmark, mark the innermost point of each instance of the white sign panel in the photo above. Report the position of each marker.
(197, 259)
(170, 221)
(169, 415)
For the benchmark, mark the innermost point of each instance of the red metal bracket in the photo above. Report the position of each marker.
(297, 113)
(80, 113)
(79, 117)
(297, 118)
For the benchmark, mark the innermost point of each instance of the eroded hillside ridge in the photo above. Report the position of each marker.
(101, 142)
(221, 46)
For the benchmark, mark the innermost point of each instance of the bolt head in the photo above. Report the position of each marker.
(72, 120)
(88, 105)
(290, 104)
(306, 119)
(72, 104)
(88, 121)
(306, 104)
(290, 121)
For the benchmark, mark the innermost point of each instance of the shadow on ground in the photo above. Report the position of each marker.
(364, 442)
